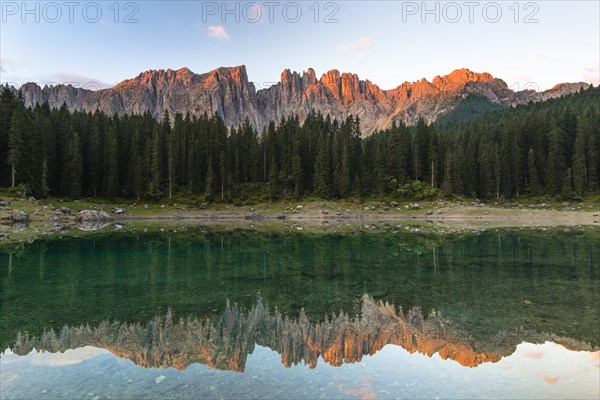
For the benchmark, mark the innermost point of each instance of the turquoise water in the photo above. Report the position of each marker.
(248, 314)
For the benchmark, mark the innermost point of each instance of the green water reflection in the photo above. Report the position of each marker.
(484, 293)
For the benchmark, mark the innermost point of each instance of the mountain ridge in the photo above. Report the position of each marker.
(228, 91)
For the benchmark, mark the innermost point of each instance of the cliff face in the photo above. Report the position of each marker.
(228, 92)
(226, 342)
(224, 90)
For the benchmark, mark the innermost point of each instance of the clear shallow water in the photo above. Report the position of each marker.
(533, 371)
(248, 314)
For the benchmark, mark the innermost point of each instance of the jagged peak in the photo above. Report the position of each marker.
(228, 90)
(458, 77)
(461, 76)
(566, 85)
(332, 74)
(238, 69)
(185, 71)
(286, 75)
(181, 74)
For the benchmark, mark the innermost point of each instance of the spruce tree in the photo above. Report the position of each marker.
(17, 158)
(533, 181)
(111, 164)
(155, 182)
(74, 164)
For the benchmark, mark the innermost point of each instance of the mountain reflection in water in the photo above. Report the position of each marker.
(226, 342)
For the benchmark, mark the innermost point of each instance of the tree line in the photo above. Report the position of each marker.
(550, 148)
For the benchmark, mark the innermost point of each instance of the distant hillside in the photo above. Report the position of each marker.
(472, 106)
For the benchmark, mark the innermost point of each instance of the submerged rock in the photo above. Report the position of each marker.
(91, 226)
(255, 217)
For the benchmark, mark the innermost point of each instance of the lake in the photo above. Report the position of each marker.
(241, 313)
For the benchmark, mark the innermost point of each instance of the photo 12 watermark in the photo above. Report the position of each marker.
(470, 11)
(53, 12)
(270, 11)
(526, 86)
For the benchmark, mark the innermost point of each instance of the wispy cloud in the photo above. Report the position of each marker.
(539, 56)
(358, 47)
(54, 78)
(359, 44)
(591, 75)
(217, 32)
(550, 380)
(534, 355)
(45, 358)
(69, 357)
(76, 80)
(6, 65)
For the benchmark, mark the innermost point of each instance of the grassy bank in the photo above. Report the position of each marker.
(53, 216)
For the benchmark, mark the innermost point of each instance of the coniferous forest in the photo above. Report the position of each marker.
(549, 148)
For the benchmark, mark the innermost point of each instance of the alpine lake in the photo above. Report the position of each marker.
(382, 312)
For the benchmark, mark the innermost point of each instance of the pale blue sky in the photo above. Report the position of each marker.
(386, 42)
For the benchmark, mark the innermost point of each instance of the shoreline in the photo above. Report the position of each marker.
(462, 218)
(46, 220)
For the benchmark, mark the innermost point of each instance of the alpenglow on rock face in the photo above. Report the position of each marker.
(228, 91)
(226, 342)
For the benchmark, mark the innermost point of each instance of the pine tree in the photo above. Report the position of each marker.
(223, 173)
(74, 164)
(534, 182)
(38, 165)
(555, 164)
(195, 156)
(17, 158)
(210, 179)
(136, 165)
(273, 178)
(170, 144)
(579, 163)
(447, 182)
(94, 157)
(344, 176)
(421, 150)
(297, 174)
(8, 103)
(322, 172)
(111, 164)
(433, 156)
(593, 153)
(155, 183)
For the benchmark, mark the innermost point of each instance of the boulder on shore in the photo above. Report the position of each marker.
(20, 216)
(91, 215)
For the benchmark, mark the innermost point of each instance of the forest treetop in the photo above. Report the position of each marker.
(544, 148)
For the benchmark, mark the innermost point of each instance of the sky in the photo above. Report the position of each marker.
(528, 44)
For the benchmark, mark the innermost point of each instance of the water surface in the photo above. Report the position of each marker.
(248, 314)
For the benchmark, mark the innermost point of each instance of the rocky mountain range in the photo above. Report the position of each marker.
(228, 91)
(226, 342)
